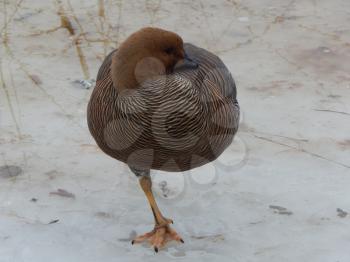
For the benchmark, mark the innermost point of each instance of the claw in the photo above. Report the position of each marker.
(158, 237)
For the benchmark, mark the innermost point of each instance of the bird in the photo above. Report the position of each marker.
(162, 104)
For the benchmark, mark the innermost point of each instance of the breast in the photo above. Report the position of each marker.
(173, 123)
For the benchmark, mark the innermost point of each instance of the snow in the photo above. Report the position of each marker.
(272, 196)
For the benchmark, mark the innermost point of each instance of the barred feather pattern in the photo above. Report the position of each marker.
(175, 122)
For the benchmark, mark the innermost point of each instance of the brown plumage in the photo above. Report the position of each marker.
(161, 104)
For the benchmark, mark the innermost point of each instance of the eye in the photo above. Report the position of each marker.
(169, 50)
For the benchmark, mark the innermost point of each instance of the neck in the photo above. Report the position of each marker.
(130, 70)
(122, 72)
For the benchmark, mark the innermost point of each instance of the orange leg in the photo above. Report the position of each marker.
(162, 232)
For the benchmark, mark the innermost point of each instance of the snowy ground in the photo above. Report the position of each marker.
(280, 193)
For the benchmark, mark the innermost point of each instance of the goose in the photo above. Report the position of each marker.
(162, 104)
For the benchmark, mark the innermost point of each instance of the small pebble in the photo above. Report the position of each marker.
(341, 213)
(86, 84)
(63, 193)
(36, 79)
(53, 221)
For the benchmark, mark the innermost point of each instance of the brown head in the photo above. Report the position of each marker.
(148, 53)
